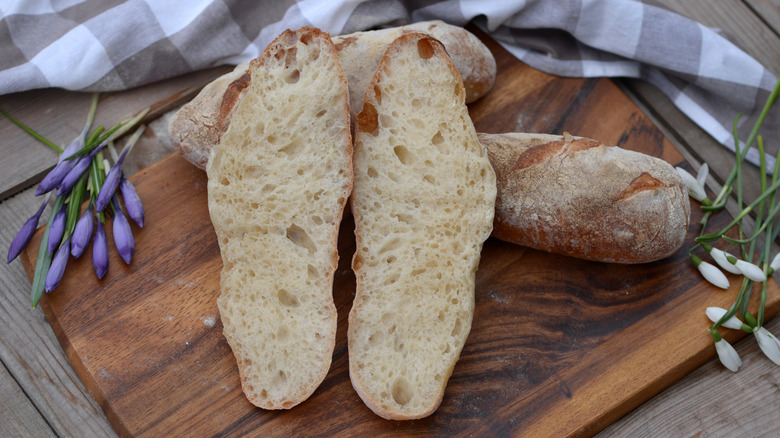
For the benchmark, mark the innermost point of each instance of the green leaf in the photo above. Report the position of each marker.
(43, 263)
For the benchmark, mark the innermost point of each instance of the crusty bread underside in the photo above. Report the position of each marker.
(423, 202)
(277, 185)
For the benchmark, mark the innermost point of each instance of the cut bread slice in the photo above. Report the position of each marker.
(277, 186)
(423, 202)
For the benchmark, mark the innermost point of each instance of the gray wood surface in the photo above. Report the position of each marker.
(40, 394)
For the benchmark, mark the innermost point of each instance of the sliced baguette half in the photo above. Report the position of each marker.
(423, 203)
(277, 185)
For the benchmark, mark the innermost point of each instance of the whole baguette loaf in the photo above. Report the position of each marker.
(423, 203)
(277, 186)
(198, 125)
(581, 198)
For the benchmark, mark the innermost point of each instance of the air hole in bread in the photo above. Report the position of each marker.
(401, 391)
(430, 179)
(321, 113)
(293, 148)
(425, 49)
(375, 337)
(317, 220)
(403, 154)
(282, 333)
(457, 328)
(368, 119)
(224, 182)
(372, 173)
(437, 139)
(378, 94)
(418, 271)
(286, 298)
(416, 103)
(293, 77)
(392, 278)
(391, 259)
(271, 139)
(290, 59)
(268, 188)
(312, 272)
(390, 245)
(300, 237)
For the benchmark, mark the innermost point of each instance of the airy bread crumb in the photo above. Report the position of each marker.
(277, 186)
(423, 203)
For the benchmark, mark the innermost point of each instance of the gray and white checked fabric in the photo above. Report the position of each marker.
(106, 45)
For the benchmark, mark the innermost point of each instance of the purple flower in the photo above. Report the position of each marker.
(81, 166)
(123, 235)
(58, 263)
(25, 233)
(57, 230)
(100, 251)
(133, 205)
(82, 233)
(111, 183)
(54, 178)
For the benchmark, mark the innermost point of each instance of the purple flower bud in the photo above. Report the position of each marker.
(123, 235)
(54, 178)
(82, 233)
(133, 205)
(110, 185)
(81, 166)
(57, 268)
(25, 233)
(57, 230)
(100, 251)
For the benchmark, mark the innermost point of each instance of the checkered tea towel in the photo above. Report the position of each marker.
(104, 45)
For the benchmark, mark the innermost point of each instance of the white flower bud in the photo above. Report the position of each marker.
(768, 344)
(721, 259)
(751, 271)
(728, 355)
(716, 313)
(713, 275)
(695, 189)
(775, 262)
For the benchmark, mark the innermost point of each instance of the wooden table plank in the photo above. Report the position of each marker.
(31, 352)
(18, 416)
(769, 11)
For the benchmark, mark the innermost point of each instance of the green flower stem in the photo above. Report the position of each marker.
(97, 176)
(31, 132)
(43, 263)
(725, 191)
(732, 310)
(74, 205)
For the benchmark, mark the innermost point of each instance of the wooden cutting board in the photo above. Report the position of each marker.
(558, 346)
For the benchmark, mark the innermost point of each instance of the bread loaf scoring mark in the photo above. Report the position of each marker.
(643, 182)
(230, 100)
(368, 119)
(424, 48)
(544, 152)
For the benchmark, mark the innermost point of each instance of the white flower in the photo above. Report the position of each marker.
(721, 258)
(751, 271)
(695, 186)
(728, 355)
(716, 313)
(775, 265)
(768, 344)
(713, 275)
